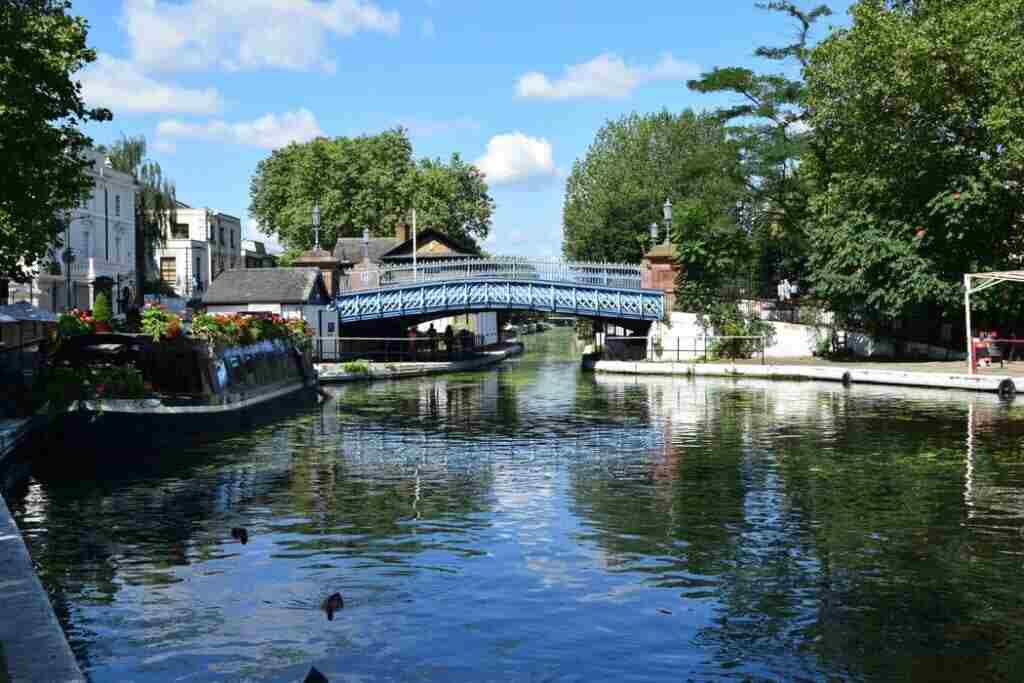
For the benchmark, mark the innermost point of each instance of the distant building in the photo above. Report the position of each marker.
(101, 236)
(254, 255)
(288, 292)
(198, 246)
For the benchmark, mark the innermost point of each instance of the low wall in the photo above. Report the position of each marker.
(1002, 385)
(683, 339)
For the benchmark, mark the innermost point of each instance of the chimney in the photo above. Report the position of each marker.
(402, 232)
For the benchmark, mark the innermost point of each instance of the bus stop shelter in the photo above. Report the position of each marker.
(979, 282)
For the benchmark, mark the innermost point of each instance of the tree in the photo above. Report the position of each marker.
(918, 120)
(453, 198)
(155, 203)
(770, 127)
(635, 163)
(369, 181)
(43, 173)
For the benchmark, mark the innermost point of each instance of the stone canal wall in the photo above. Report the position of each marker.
(32, 644)
(331, 373)
(1001, 384)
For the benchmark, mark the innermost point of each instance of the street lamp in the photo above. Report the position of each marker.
(68, 258)
(666, 211)
(654, 234)
(366, 243)
(316, 224)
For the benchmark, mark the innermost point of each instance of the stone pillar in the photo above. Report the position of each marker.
(328, 265)
(659, 270)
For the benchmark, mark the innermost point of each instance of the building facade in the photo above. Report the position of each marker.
(254, 255)
(199, 245)
(97, 250)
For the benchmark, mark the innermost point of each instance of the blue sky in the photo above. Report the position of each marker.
(519, 87)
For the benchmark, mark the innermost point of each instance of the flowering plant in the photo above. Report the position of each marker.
(75, 322)
(235, 329)
(160, 323)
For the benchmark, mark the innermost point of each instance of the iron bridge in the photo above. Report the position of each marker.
(608, 291)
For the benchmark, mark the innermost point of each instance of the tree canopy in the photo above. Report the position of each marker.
(635, 163)
(370, 181)
(917, 113)
(43, 172)
(155, 202)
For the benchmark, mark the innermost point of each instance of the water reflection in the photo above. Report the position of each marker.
(536, 522)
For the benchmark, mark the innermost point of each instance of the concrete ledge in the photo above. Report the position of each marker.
(332, 373)
(32, 644)
(1003, 385)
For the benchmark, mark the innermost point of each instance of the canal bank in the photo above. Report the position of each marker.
(1004, 385)
(331, 373)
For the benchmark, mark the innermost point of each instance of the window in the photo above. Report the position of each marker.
(222, 236)
(232, 233)
(168, 269)
(117, 250)
(117, 205)
(85, 245)
(179, 231)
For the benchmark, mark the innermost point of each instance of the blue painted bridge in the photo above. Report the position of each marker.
(610, 292)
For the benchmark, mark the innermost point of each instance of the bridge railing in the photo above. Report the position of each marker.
(617, 275)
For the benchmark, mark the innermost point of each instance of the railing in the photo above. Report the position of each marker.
(697, 348)
(419, 349)
(616, 275)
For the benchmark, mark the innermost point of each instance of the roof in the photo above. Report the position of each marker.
(265, 286)
(350, 249)
(403, 250)
(25, 312)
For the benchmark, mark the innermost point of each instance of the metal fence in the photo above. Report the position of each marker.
(706, 348)
(419, 349)
(617, 275)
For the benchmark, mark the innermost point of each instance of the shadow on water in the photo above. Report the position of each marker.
(535, 522)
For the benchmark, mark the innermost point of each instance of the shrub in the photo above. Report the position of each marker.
(726, 320)
(357, 367)
(101, 309)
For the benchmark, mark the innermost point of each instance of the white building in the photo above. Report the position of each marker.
(101, 236)
(199, 245)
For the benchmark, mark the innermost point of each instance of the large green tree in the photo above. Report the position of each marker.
(370, 181)
(155, 203)
(635, 163)
(918, 118)
(42, 171)
(769, 123)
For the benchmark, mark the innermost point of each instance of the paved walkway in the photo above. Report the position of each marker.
(1015, 369)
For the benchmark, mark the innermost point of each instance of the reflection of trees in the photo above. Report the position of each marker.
(829, 531)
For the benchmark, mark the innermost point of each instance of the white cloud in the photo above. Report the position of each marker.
(515, 158)
(606, 75)
(428, 28)
(430, 127)
(285, 34)
(165, 146)
(121, 86)
(270, 131)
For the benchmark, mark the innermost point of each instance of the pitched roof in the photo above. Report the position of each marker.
(403, 250)
(350, 249)
(265, 286)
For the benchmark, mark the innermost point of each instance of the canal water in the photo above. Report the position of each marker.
(537, 523)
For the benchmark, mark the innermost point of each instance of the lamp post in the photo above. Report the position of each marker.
(666, 212)
(316, 224)
(654, 234)
(68, 258)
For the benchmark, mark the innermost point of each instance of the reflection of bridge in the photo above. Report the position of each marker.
(605, 291)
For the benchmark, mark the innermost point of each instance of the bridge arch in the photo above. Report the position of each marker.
(610, 292)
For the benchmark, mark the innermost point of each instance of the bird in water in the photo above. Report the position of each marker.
(240, 534)
(315, 676)
(332, 604)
